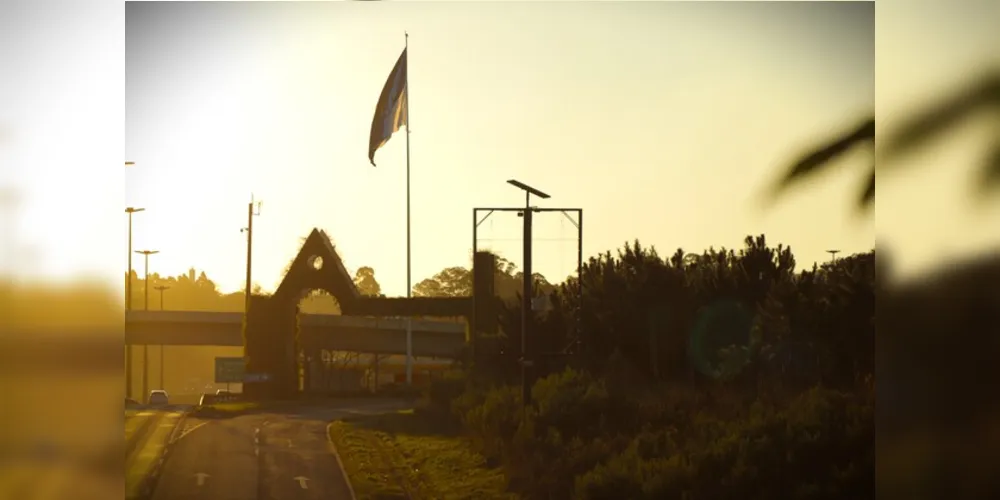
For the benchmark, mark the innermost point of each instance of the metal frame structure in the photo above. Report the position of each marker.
(526, 212)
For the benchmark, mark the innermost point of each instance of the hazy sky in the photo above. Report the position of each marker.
(659, 120)
(663, 121)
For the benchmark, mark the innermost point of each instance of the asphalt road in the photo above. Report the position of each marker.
(265, 456)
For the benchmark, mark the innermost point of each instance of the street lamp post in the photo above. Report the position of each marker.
(145, 347)
(128, 297)
(526, 361)
(161, 289)
(833, 255)
(480, 322)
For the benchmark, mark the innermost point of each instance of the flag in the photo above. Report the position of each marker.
(390, 113)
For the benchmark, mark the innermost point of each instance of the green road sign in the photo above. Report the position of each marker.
(229, 370)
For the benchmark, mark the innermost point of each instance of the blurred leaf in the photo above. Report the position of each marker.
(938, 119)
(822, 157)
(868, 196)
(991, 169)
(923, 127)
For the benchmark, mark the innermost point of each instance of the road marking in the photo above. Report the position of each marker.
(289, 443)
(200, 478)
(302, 482)
(188, 429)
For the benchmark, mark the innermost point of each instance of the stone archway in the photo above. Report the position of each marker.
(271, 334)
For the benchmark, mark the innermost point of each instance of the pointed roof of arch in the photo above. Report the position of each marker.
(332, 276)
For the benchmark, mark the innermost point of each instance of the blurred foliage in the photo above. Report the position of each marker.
(922, 128)
(30, 307)
(937, 351)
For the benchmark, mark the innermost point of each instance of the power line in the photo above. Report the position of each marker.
(550, 240)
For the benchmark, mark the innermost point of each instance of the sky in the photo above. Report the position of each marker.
(664, 122)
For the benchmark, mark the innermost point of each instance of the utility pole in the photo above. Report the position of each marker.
(161, 289)
(128, 296)
(527, 363)
(145, 347)
(249, 230)
(248, 294)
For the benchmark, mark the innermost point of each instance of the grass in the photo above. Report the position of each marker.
(410, 454)
(148, 451)
(233, 407)
(225, 409)
(132, 421)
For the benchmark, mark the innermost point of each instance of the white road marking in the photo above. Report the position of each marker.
(188, 429)
(200, 478)
(302, 482)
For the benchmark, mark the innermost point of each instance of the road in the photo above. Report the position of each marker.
(263, 456)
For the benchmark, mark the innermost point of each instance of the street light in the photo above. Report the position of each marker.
(526, 363)
(128, 282)
(128, 296)
(161, 289)
(145, 283)
(833, 255)
(145, 347)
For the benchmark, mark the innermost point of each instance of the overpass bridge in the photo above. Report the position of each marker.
(370, 325)
(439, 339)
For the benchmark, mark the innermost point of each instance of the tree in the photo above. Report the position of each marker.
(457, 282)
(450, 282)
(365, 280)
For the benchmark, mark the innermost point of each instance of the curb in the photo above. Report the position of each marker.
(340, 463)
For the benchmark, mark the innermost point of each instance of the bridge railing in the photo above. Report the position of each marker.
(311, 320)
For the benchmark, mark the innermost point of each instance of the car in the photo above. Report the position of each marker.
(158, 397)
(206, 399)
(225, 396)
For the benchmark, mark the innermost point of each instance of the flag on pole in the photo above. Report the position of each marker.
(390, 113)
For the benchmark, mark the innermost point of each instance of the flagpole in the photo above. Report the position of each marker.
(409, 285)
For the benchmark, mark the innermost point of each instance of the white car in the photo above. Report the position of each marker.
(158, 397)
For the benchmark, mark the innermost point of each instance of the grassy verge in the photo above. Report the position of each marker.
(412, 455)
(132, 422)
(233, 407)
(148, 450)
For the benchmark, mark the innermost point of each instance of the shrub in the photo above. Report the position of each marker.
(820, 446)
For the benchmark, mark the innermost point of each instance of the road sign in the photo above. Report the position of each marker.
(229, 370)
(256, 377)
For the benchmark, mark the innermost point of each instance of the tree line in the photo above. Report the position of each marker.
(195, 291)
(725, 374)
